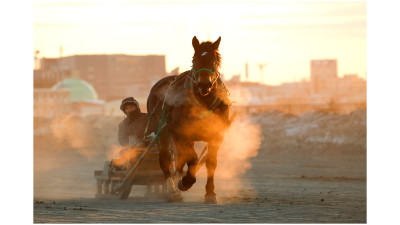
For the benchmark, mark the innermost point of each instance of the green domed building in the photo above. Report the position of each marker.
(80, 89)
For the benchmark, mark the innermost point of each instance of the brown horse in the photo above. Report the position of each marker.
(195, 107)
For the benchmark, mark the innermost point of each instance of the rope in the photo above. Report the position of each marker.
(154, 109)
(164, 115)
(162, 122)
(147, 125)
(148, 120)
(191, 79)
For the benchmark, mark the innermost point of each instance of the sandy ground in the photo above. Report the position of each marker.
(285, 191)
(283, 187)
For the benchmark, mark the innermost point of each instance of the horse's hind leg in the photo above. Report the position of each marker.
(179, 163)
(211, 165)
(165, 161)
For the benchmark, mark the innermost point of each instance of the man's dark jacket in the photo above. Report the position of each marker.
(134, 127)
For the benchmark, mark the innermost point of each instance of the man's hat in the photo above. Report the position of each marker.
(129, 100)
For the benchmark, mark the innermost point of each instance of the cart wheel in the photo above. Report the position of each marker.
(124, 193)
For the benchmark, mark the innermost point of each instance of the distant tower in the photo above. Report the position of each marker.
(324, 75)
(61, 51)
(247, 71)
(60, 72)
(261, 67)
(37, 62)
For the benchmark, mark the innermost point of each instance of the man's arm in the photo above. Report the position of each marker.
(123, 138)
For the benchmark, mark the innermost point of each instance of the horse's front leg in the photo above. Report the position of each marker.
(211, 165)
(187, 154)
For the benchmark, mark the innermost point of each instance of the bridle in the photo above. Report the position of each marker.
(214, 74)
(193, 75)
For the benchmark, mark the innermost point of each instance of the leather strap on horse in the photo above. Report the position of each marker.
(160, 125)
(163, 120)
(195, 103)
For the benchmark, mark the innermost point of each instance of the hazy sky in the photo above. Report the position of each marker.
(284, 34)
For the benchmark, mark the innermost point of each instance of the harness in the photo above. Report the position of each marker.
(191, 99)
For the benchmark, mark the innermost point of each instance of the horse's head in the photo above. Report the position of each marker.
(206, 61)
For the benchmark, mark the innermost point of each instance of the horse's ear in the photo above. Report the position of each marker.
(195, 43)
(216, 43)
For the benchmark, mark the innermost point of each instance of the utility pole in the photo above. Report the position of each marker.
(37, 62)
(247, 71)
(60, 73)
(261, 67)
(61, 50)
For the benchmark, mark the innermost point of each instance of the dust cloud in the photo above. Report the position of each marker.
(121, 155)
(241, 143)
(72, 133)
(60, 170)
(67, 149)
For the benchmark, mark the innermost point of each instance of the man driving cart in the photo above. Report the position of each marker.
(132, 128)
(133, 137)
(131, 133)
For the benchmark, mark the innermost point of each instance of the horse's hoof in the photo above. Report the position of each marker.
(189, 183)
(177, 177)
(169, 186)
(211, 199)
(174, 197)
(181, 187)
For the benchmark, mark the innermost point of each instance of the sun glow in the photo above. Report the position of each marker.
(280, 33)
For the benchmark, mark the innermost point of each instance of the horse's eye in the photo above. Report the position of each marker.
(204, 53)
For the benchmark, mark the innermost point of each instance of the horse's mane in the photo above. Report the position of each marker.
(208, 47)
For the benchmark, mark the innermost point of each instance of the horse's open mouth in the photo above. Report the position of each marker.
(204, 91)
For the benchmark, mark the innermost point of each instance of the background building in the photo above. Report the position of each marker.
(80, 90)
(323, 76)
(69, 96)
(49, 102)
(324, 91)
(113, 76)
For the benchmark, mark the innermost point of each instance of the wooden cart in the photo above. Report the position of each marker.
(138, 166)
